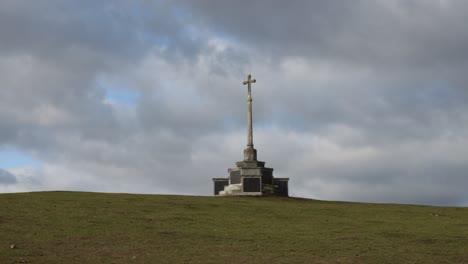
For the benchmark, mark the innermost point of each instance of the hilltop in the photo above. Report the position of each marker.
(77, 227)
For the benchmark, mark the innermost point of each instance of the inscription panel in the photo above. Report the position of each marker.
(219, 185)
(267, 176)
(281, 187)
(251, 184)
(235, 177)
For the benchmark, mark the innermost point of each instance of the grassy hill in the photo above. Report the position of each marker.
(74, 227)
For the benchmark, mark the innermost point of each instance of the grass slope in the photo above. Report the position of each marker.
(74, 227)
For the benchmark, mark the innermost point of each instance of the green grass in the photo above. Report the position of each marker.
(74, 227)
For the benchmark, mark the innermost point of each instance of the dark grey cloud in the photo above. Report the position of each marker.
(399, 33)
(52, 29)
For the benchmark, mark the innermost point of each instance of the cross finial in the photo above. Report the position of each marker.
(249, 80)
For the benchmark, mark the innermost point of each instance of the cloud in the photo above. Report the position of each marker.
(380, 33)
(357, 102)
(7, 177)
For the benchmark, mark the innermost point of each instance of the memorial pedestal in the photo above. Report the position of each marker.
(251, 177)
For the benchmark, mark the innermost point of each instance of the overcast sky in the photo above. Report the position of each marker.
(354, 100)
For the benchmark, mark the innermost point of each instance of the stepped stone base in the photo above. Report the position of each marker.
(251, 177)
(237, 190)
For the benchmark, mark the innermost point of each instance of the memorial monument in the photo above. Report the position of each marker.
(250, 177)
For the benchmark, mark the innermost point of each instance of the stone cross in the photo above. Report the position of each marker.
(249, 153)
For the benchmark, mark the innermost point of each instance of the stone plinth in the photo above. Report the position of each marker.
(251, 177)
(219, 184)
(250, 154)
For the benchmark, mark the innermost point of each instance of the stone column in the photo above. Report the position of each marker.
(250, 154)
(249, 121)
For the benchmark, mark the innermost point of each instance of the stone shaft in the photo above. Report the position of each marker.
(250, 153)
(249, 122)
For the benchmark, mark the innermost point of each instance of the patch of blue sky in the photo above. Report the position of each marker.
(119, 93)
(224, 35)
(121, 96)
(12, 158)
(155, 40)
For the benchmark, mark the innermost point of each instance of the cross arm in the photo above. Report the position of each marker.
(249, 81)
